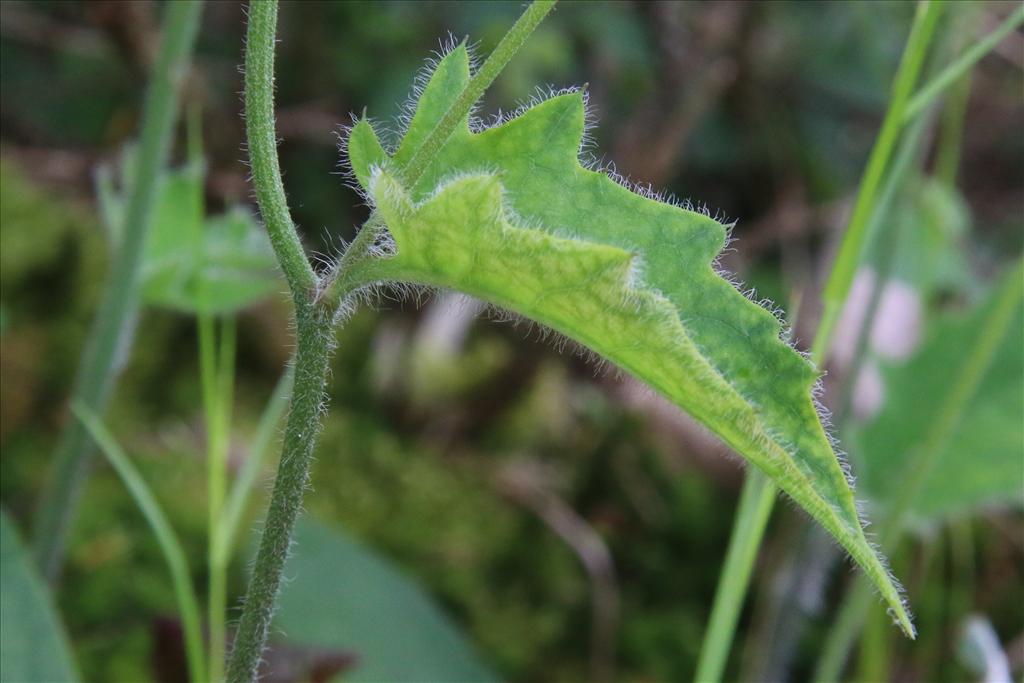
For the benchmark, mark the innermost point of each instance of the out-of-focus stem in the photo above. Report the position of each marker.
(170, 546)
(755, 508)
(217, 363)
(856, 236)
(110, 336)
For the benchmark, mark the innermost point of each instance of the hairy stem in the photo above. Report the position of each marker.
(315, 339)
(262, 138)
(315, 312)
(110, 336)
(314, 332)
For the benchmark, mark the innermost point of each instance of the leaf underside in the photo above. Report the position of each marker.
(508, 214)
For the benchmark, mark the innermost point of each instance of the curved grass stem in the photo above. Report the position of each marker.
(170, 546)
(931, 91)
(857, 236)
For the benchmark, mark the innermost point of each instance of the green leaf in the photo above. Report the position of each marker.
(230, 267)
(523, 225)
(196, 263)
(33, 646)
(980, 464)
(364, 151)
(345, 597)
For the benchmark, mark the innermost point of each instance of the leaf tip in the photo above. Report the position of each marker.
(903, 619)
(363, 150)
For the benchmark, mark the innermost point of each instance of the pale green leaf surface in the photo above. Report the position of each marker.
(627, 276)
(982, 464)
(33, 646)
(347, 598)
(230, 267)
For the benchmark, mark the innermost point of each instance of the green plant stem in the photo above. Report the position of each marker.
(262, 138)
(170, 546)
(315, 338)
(110, 336)
(874, 655)
(954, 107)
(314, 332)
(851, 252)
(752, 516)
(217, 380)
(887, 243)
(338, 285)
(947, 156)
(963, 388)
(924, 97)
(242, 487)
(314, 313)
(856, 236)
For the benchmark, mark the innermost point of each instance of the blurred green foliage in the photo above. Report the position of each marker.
(33, 646)
(349, 598)
(193, 263)
(979, 465)
(767, 111)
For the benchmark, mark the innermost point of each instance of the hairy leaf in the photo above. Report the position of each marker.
(346, 598)
(981, 464)
(33, 646)
(508, 214)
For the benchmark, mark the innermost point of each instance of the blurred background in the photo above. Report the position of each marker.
(569, 524)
